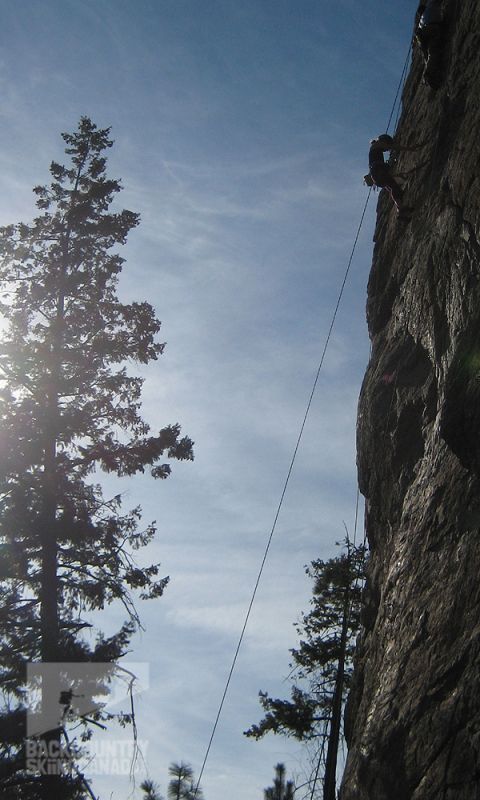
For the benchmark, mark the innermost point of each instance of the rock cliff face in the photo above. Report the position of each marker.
(413, 718)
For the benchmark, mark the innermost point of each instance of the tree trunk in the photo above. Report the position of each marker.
(49, 589)
(329, 780)
(49, 579)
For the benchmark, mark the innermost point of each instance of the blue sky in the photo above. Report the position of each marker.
(241, 135)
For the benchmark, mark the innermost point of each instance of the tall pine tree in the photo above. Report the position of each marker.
(322, 663)
(69, 408)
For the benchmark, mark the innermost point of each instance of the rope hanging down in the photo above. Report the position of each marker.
(282, 496)
(400, 86)
(294, 456)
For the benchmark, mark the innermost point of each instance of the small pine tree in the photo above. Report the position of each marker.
(151, 790)
(182, 785)
(281, 789)
(68, 408)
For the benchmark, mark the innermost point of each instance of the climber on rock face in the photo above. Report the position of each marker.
(380, 174)
(429, 35)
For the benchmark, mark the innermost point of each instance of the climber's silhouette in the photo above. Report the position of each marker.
(429, 35)
(380, 173)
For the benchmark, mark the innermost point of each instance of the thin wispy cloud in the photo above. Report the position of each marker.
(241, 138)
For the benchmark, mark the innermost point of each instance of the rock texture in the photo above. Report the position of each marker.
(413, 717)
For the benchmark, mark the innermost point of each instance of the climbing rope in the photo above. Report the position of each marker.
(293, 459)
(398, 94)
(400, 86)
(284, 489)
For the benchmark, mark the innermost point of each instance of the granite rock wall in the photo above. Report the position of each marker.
(413, 716)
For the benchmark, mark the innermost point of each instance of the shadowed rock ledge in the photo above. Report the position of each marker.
(413, 717)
